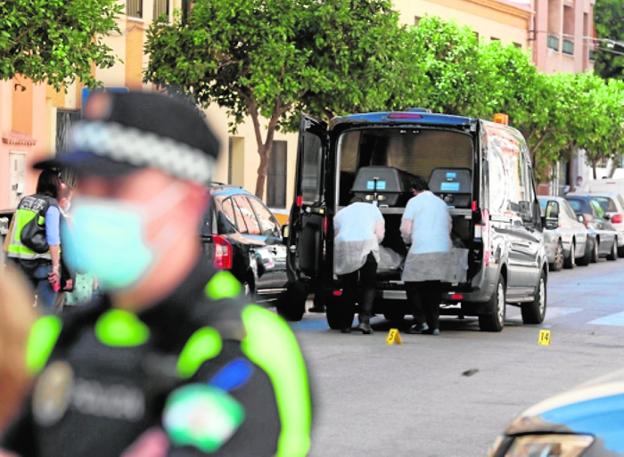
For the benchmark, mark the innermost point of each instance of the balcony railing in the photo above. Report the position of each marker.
(568, 47)
(553, 42)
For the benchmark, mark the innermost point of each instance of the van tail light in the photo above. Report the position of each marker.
(299, 201)
(482, 232)
(457, 297)
(337, 293)
(617, 219)
(223, 253)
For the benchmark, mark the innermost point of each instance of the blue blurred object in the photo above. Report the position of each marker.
(233, 376)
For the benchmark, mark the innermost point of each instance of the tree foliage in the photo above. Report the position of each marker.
(609, 20)
(273, 58)
(55, 40)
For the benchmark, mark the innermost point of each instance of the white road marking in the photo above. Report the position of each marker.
(616, 320)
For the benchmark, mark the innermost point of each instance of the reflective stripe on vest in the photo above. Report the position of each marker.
(26, 212)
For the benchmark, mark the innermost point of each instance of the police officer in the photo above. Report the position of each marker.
(172, 345)
(33, 242)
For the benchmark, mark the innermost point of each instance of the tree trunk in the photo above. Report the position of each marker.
(264, 146)
(594, 164)
(614, 166)
(264, 154)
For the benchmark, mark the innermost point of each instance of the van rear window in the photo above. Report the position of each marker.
(414, 151)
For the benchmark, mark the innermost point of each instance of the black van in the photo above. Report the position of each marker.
(481, 169)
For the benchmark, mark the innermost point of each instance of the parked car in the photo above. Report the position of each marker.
(241, 234)
(482, 170)
(586, 421)
(613, 205)
(601, 231)
(565, 237)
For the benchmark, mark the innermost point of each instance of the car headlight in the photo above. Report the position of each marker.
(549, 446)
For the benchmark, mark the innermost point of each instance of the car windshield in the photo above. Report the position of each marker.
(577, 205)
(607, 204)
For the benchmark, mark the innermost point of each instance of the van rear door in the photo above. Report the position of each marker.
(308, 212)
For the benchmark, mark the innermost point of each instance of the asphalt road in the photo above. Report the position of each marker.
(413, 400)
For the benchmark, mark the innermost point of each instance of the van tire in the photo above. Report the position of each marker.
(535, 311)
(291, 305)
(613, 255)
(494, 319)
(338, 314)
(569, 262)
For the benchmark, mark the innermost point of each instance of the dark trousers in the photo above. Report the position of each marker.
(359, 287)
(424, 299)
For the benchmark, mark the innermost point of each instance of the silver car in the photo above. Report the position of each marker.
(565, 237)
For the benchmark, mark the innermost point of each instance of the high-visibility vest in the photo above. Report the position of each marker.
(28, 208)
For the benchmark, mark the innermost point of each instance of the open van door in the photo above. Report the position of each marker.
(305, 242)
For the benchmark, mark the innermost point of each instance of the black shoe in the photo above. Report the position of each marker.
(345, 330)
(365, 328)
(418, 329)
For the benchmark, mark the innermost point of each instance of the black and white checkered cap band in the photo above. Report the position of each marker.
(142, 149)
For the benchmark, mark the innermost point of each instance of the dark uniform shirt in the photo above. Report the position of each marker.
(218, 376)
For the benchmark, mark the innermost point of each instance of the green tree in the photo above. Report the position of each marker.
(55, 40)
(270, 59)
(446, 56)
(609, 17)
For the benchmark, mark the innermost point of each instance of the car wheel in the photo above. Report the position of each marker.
(535, 311)
(570, 260)
(595, 255)
(559, 258)
(291, 305)
(494, 319)
(586, 259)
(614, 250)
(339, 314)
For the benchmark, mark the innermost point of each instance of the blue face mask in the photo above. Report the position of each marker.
(105, 238)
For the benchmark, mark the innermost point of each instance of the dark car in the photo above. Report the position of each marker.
(241, 234)
(587, 421)
(602, 234)
(482, 170)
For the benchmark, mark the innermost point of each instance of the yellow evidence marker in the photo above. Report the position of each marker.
(394, 337)
(544, 337)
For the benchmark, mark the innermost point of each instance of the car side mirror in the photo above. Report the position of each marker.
(285, 231)
(607, 217)
(580, 218)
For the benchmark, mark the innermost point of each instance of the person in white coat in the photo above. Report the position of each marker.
(426, 225)
(358, 230)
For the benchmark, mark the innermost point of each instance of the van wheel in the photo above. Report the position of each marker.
(494, 320)
(570, 261)
(535, 311)
(291, 305)
(586, 259)
(339, 314)
(559, 258)
(614, 251)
